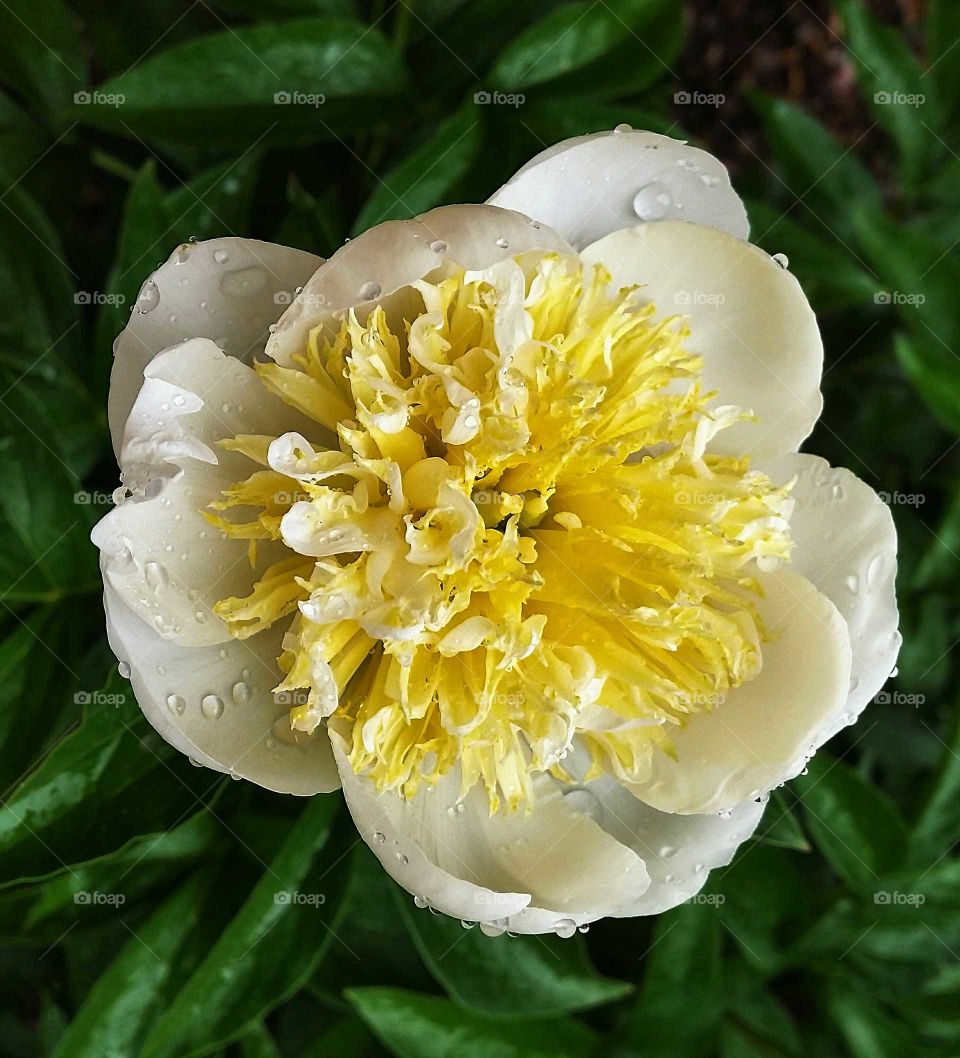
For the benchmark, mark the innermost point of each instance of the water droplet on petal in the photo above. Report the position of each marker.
(652, 202)
(782, 260)
(176, 704)
(124, 669)
(370, 291)
(420, 901)
(378, 838)
(148, 298)
(623, 127)
(155, 574)
(502, 243)
(241, 693)
(438, 246)
(211, 705)
(565, 928)
(221, 256)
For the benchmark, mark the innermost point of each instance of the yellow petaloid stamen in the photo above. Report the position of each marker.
(520, 540)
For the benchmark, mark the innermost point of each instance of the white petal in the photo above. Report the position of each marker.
(158, 551)
(679, 851)
(228, 290)
(589, 186)
(749, 320)
(529, 873)
(387, 258)
(846, 545)
(765, 730)
(215, 704)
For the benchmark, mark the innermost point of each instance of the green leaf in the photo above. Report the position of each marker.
(547, 975)
(138, 984)
(780, 827)
(573, 36)
(257, 1042)
(155, 220)
(107, 781)
(269, 949)
(262, 10)
(868, 1031)
(943, 52)
(425, 177)
(830, 274)
(934, 371)
(287, 82)
(937, 825)
(853, 823)
(144, 864)
(815, 167)
(680, 999)
(44, 68)
(892, 83)
(418, 1026)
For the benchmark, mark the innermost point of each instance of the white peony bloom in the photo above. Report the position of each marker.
(496, 521)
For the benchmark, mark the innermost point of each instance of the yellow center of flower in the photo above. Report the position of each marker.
(506, 535)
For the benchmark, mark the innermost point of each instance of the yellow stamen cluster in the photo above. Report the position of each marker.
(506, 533)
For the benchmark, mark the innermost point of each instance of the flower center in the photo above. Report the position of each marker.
(506, 537)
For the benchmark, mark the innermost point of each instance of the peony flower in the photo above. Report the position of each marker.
(496, 520)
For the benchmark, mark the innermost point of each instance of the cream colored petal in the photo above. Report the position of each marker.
(387, 258)
(589, 186)
(749, 320)
(679, 851)
(552, 869)
(764, 731)
(229, 290)
(846, 546)
(158, 551)
(215, 704)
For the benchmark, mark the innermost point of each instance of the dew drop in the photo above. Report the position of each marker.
(148, 298)
(156, 575)
(369, 291)
(403, 858)
(652, 202)
(502, 243)
(438, 246)
(491, 929)
(378, 838)
(853, 583)
(241, 693)
(211, 705)
(782, 260)
(176, 704)
(420, 901)
(466, 924)
(667, 850)
(124, 669)
(565, 928)
(623, 127)
(221, 256)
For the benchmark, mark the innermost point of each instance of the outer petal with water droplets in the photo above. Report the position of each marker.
(228, 290)
(589, 186)
(552, 868)
(215, 704)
